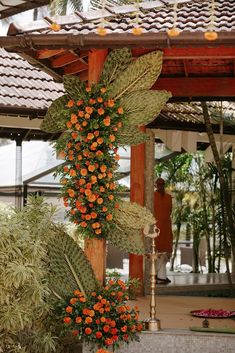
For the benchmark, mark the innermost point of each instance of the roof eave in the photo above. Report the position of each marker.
(24, 42)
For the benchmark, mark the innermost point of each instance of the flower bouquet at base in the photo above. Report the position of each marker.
(102, 319)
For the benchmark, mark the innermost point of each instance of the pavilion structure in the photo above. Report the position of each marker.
(194, 68)
(12, 7)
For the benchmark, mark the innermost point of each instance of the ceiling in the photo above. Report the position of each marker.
(12, 7)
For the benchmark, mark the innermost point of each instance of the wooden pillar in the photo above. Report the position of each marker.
(95, 249)
(137, 195)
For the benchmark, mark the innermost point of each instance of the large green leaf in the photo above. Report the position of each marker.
(54, 120)
(74, 87)
(140, 74)
(131, 135)
(115, 63)
(129, 220)
(69, 267)
(144, 106)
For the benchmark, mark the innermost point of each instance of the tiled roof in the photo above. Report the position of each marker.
(154, 17)
(12, 7)
(23, 86)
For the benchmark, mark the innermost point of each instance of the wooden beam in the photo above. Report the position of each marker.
(197, 87)
(64, 59)
(75, 67)
(95, 249)
(46, 53)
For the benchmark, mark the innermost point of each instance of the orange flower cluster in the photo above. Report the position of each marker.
(103, 318)
(90, 152)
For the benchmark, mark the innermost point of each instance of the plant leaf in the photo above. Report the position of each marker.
(69, 267)
(142, 107)
(131, 135)
(115, 63)
(74, 87)
(54, 120)
(140, 74)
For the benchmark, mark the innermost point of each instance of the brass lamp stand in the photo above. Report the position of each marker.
(152, 323)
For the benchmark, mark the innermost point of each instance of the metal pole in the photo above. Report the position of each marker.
(18, 174)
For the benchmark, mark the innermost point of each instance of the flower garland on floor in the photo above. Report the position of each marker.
(103, 318)
(87, 178)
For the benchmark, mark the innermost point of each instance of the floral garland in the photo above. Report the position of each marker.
(103, 318)
(90, 153)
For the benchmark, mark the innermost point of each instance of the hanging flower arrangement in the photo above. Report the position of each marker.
(87, 178)
(94, 121)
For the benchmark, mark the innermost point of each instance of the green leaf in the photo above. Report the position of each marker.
(115, 63)
(74, 87)
(127, 239)
(139, 75)
(54, 120)
(142, 107)
(69, 267)
(131, 135)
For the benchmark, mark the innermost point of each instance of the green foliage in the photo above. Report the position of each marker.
(131, 135)
(54, 119)
(74, 87)
(115, 63)
(68, 261)
(139, 75)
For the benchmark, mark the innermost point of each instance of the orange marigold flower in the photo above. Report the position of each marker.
(112, 138)
(109, 217)
(87, 217)
(100, 111)
(88, 89)
(90, 136)
(75, 332)
(124, 328)
(87, 116)
(81, 181)
(71, 192)
(98, 231)
(108, 341)
(111, 197)
(104, 209)
(88, 330)
(110, 103)
(106, 328)
(91, 168)
(99, 200)
(100, 140)
(70, 103)
(100, 99)
(91, 198)
(103, 168)
(72, 172)
(87, 192)
(74, 118)
(74, 135)
(120, 110)
(98, 334)
(82, 299)
(66, 169)
(83, 224)
(93, 215)
(106, 121)
(71, 157)
(100, 176)
(88, 320)
(67, 320)
(89, 110)
(92, 101)
(83, 171)
(69, 309)
(84, 123)
(79, 102)
(77, 292)
(92, 313)
(96, 133)
(103, 90)
(93, 179)
(119, 124)
(73, 300)
(102, 189)
(81, 113)
(69, 124)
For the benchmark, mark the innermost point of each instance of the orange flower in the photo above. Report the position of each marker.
(80, 113)
(75, 332)
(106, 121)
(100, 99)
(69, 124)
(112, 138)
(91, 198)
(80, 102)
(100, 111)
(87, 192)
(69, 309)
(89, 110)
(71, 157)
(83, 171)
(106, 328)
(119, 124)
(81, 181)
(110, 103)
(73, 300)
(72, 173)
(110, 175)
(111, 197)
(102, 189)
(93, 215)
(87, 217)
(98, 335)
(91, 168)
(71, 192)
(120, 110)
(84, 123)
(88, 320)
(90, 136)
(70, 103)
(103, 90)
(124, 328)
(77, 292)
(88, 89)
(99, 153)
(97, 231)
(99, 200)
(93, 179)
(104, 209)
(88, 330)
(96, 133)
(92, 313)
(83, 224)
(66, 169)
(67, 320)
(74, 135)
(87, 116)
(74, 118)
(100, 140)
(109, 217)
(103, 168)
(92, 101)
